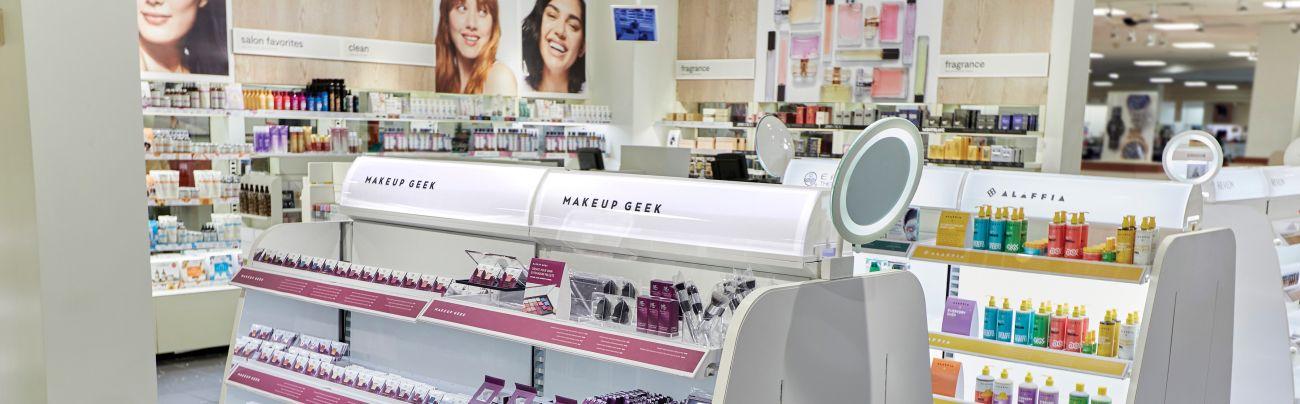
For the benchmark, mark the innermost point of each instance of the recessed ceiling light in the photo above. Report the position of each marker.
(1226, 86)
(1176, 26)
(1280, 4)
(1194, 84)
(1149, 63)
(1102, 84)
(1239, 54)
(1193, 45)
(1161, 80)
(1113, 76)
(1108, 12)
(1096, 55)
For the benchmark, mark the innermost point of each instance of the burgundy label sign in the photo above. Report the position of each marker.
(544, 272)
(286, 388)
(596, 342)
(324, 292)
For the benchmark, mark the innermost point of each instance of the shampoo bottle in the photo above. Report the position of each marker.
(1040, 330)
(984, 387)
(1127, 337)
(1101, 397)
(1073, 245)
(1107, 332)
(1014, 241)
(1024, 227)
(1048, 394)
(991, 320)
(1124, 240)
(1089, 343)
(1144, 240)
(1056, 329)
(997, 230)
(1074, 332)
(1024, 323)
(1083, 230)
(1005, 321)
(1056, 235)
(1002, 387)
(980, 237)
(1027, 392)
(1078, 396)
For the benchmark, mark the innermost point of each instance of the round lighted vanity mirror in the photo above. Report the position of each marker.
(876, 180)
(774, 145)
(1192, 157)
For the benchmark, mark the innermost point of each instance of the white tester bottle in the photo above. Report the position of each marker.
(1048, 394)
(1128, 336)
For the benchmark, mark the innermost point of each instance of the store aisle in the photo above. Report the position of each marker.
(191, 378)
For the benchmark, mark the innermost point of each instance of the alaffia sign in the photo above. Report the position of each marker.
(993, 65)
(715, 69)
(312, 46)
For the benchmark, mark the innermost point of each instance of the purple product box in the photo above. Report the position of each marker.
(642, 307)
(1004, 122)
(664, 289)
(669, 317)
(1018, 122)
(959, 316)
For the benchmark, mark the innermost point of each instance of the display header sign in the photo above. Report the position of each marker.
(1283, 181)
(1105, 200)
(1236, 184)
(993, 65)
(312, 46)
(715, 69)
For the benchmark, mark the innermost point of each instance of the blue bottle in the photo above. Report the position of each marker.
(980, 238)
(997, 230)
(1023, 328)
(990, 329)
(1005, 321)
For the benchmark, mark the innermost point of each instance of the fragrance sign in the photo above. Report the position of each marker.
(993, 65)
(715, 69)
(311, 46)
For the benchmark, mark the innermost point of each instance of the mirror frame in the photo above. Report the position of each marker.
(862, 233)
(1186, 137)
(788, 153)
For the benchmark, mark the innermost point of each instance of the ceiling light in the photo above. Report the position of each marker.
(1194, 84)
(1108, 12)
(1102, 84)
(1113, 76)
(1176, 26)
(1226, 86)
(1096, 55)
(1282, 4)
(1149, 63)
(1239, 54)
(1161, 80)
(1193, 45)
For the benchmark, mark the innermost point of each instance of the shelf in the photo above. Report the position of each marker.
(697, 125)
(286, 385)
(328, 290)
(1076, 268)
(649, 352)
(193, 156)
(1025, 135)
(206, 245)
(374, 116)
(972, 163)
(193, 202)
(303, 155)
(1034, 356)
(195, 290)
(208, 113)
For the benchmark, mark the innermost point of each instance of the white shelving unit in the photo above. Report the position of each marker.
(834, 335)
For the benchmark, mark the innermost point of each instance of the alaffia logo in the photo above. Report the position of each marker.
(1015, 194)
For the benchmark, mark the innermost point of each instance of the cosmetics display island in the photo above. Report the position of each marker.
(463, 274)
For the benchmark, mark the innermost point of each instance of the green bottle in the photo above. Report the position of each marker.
(1015, 234)
(1041, 328)
(1078, 396)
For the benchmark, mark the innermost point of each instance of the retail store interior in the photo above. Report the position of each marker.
(650, 201)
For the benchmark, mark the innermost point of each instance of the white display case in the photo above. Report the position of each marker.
(796, 338)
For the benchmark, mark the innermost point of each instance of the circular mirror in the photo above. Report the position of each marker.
(876, 180)
(1192, 157)
(774, 145)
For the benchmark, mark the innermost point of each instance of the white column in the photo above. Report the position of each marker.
(74, 291)
(1067, 85)
(1274, 106)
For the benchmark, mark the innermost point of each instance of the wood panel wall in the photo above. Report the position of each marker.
(394, 20)
(716, 29)
(995, 26)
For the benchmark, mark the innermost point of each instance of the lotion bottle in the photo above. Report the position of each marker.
(1107, 332)
(1124, 240)
(984, 387)
(1002, 387)
(1056, 235)
(1078, 396)
(1014, 242)
(980, 237)
(1041, 328)
(1073, 246)
(1089, 343)
(1127, 337)
(997, 230)
(1101, 397)
(1024, 323)
(1056, 329)
(990, 330)
(1074, 331)
(1005, 321)
(1027, 392)
(1048, 394)
(1144, 240)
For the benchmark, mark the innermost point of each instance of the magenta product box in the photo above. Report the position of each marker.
(959, 316)
(653, 324)
(661, 288)
(642, 306)
(669, 317)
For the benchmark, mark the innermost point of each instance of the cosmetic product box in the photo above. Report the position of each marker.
(1018, 122)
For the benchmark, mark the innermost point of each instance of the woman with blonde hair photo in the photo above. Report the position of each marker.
(467, 38)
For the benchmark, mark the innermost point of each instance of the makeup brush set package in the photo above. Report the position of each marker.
(673, 309)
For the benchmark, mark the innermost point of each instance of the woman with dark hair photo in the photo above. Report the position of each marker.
(469, 32)
(555, 46)
(183, 36)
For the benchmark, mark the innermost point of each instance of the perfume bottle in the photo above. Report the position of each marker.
(804, 72)
(835, 90)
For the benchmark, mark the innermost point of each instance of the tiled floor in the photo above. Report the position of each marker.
(192, 378)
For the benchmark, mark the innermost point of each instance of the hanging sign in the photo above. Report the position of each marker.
(715, 69)
(312, 46)
(993, 65)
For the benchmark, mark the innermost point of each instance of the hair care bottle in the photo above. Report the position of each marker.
(1078, 396)
(1024, 227)
(1027, 392)
(1005, 321)
(1024, 323)
(1073, 244)
(998, 230)
(1074, 332)
(1003, 386)
(1056, 235)
(1083, 230)
(980, 237)
(1144, 240)
(990, 330)
(1056, 329)
(1101, 397)
(1089, 343)
(1107, 332)
(1124, 240)
(984, 387)
(1048, 394)
(1040, 330)
(1127, 337)
(1013, 242)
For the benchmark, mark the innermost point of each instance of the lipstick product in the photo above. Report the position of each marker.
(1056, 235)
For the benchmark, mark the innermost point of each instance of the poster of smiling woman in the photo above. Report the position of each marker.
(512, 47)
(182, 39)
(554, 34)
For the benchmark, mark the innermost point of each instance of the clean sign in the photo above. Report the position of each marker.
(994, 65)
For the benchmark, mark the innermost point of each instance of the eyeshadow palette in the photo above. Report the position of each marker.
(539, 305)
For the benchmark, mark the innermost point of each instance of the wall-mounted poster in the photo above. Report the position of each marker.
(472, 45)
(512, 47)
(184, 39)
(554, 34)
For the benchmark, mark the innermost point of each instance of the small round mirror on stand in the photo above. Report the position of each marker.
(774, 145)
(1192, 157)
(876, 180)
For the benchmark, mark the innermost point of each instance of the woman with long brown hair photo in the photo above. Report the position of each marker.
(467, 38)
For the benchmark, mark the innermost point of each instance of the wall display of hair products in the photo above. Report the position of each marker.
(187, 95)
(840, 51)
(165, 186)
(193, 269)
(990, 390)
(176, 144)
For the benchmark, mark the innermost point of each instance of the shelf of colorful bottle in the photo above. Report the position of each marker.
(1030, 355)
(194, 156)
(288, 386)
(375, 116)
(978, 163)
(696, 124)
(205, 245)
(580, 339)
(199, 112)
(193, 201)
(1077, 268)
(380, 300)
(194, 290)
(990, 134)
(303, 155)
